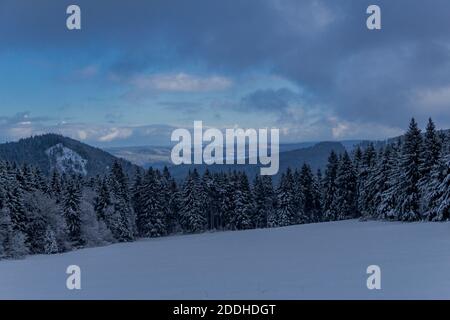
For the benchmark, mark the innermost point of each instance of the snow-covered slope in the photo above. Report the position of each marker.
(66, 160)
(327, 260)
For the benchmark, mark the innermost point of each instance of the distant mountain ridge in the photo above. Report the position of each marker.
(316, 156)
(159, 156)
(51, 152)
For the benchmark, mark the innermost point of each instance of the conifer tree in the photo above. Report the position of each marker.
(345, 202)
(286, 214)
(72, 213)
(264, 196)
(170, 198)
(50, 242)
(55, 186)
(364, 172)
(311, 195)
(151, 220)
(431, 153)
(192, 207)
(14, 202)
(244, 206)
(121, 218)
(437, 192)
(298, 199)
(329, 187)
(102, 201)
(387, 196)
(410, 163)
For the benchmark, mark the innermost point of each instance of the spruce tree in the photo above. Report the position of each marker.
(170, 198)
(212, 195)
(136, 193)
(286, 214)
(410, 163)
(310, 191)
(388, 180)
(55, 186)
(364, 171)
(72, 212)
(437, 192)
(151, 220)
(192, 206)
(121, 218)
(50, 242)
(244, 206)
(264, 196)
(345, 202)
(329, 187)
(298, 199)
(430, 155)
(14, 201)
(102, 201)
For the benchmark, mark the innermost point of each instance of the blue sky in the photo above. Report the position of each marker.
(137, 69)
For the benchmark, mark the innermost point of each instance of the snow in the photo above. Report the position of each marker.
(64, 159)
(316, 261)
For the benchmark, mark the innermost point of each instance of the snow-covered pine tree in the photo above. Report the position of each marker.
(37, 222)
(229, 185)
(151, 220)
(437, 192)
(212, 201)
(50, 242)
(12, 242)
(14, 202)
(329, 187)
(264, 197)
(444, 137)
(136, 193)
(170, 196)
(377, 183)
(219, 179)
(173, 224)
(39, 181)
(388, 175)
(244, 206)
(55, 186)
(365, 173)
(102, 201)
(121, 217)
(318, 193)
(310, 194)
(410, 163)
(5, 229)
(25, 178)
(286, 214)
(192, 204)
(367, 188)
(432, 148)
(299, 200)
(345, 202)
(72, 213)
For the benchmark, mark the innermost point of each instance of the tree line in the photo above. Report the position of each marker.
(406, 180)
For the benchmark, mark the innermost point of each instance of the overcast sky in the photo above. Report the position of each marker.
(139, 68)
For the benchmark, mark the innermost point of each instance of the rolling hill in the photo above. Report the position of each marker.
(54, 152)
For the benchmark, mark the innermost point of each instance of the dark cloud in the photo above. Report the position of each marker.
(22, 117)
(323, 46)
(269, 100)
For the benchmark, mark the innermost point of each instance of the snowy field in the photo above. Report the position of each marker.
(318, 261)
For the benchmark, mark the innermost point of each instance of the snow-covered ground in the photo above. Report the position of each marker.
(325, 261)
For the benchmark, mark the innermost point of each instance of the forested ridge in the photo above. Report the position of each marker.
(406, 180)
